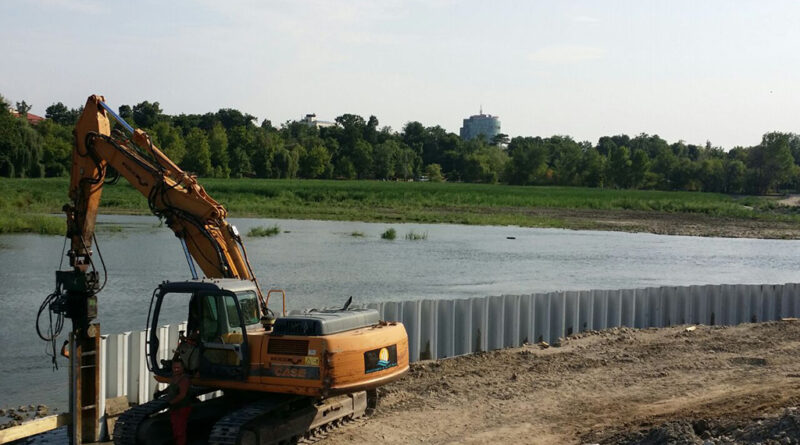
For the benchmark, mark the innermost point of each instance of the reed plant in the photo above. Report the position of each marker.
(416, 236)
(261, 231)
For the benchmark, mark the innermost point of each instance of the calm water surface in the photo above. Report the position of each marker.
(319, 263)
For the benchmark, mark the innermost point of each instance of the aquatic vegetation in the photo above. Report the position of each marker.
(261, 231)
(416, 236)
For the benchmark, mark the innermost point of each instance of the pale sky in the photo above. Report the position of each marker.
(725, 71)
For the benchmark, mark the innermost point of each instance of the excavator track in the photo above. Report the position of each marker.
(228, 429)
(147, 424)
(283, 419)
(127, 426)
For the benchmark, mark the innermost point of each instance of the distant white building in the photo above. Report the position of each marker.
(311, 121)
(480, 124)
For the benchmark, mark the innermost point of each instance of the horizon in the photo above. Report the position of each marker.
(719, 71)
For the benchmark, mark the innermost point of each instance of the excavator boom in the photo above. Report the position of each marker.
(174, 195)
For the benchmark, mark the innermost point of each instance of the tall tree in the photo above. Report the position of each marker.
(198, 153)
(384, 159)
(640, 167)
(218, 145)
(314, 162)
(772, 161)
(592, 167)
(619, 167)
(58, 113)
(170, 140)
(146, 114)
(528, 163)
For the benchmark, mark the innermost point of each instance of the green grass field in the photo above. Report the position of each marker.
(25, 202)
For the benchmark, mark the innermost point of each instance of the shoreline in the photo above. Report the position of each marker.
(633, 221)
(26, 204)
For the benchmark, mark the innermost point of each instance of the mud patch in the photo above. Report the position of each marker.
(748, 361)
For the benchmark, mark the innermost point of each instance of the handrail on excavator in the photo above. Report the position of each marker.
(266, 303)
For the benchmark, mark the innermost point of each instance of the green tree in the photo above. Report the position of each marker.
(126, 113)
(371, 131)
(170, 140)
(231, 118)
(384, 159)
(286, 162)
(344, 168)
(353, 127)
(684, 175)
(619, 167)
(11, 148)
(640, 167)
(407, 163)
(735, 176)
(361, 157)
(198, 153)
(314, 162)
(528, 161)
(500, 139)
(434, 172)
(146, 114)
(771, 161)
(240, 162)
(414, 135)
(593, 167)
(60, 114)
(566, 155)
(57, 143)
(476, 168)
(218, 145)
(240, 140)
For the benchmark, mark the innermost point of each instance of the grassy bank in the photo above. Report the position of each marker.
(398, 202)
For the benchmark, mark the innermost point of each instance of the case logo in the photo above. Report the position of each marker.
(292, 372)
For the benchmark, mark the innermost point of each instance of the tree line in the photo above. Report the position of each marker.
(232, 144)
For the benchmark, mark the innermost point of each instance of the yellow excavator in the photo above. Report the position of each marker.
(283, 378)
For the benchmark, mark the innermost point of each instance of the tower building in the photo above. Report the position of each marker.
(485, 124)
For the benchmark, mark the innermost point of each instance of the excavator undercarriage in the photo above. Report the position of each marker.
(269, 419)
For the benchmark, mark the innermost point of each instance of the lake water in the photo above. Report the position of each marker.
(319, 263)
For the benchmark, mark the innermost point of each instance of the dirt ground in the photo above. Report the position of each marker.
(708, 385)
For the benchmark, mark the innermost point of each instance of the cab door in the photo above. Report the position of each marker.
(223, 338)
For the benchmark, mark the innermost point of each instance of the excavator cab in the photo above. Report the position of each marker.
(215, 345)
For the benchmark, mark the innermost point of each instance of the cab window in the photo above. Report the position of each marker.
(233, 314)
(248, 302)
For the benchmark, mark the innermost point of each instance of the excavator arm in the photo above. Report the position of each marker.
(172, 194)
(196, 218)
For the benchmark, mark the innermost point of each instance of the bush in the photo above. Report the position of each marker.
(264, 231)
(389, 234)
